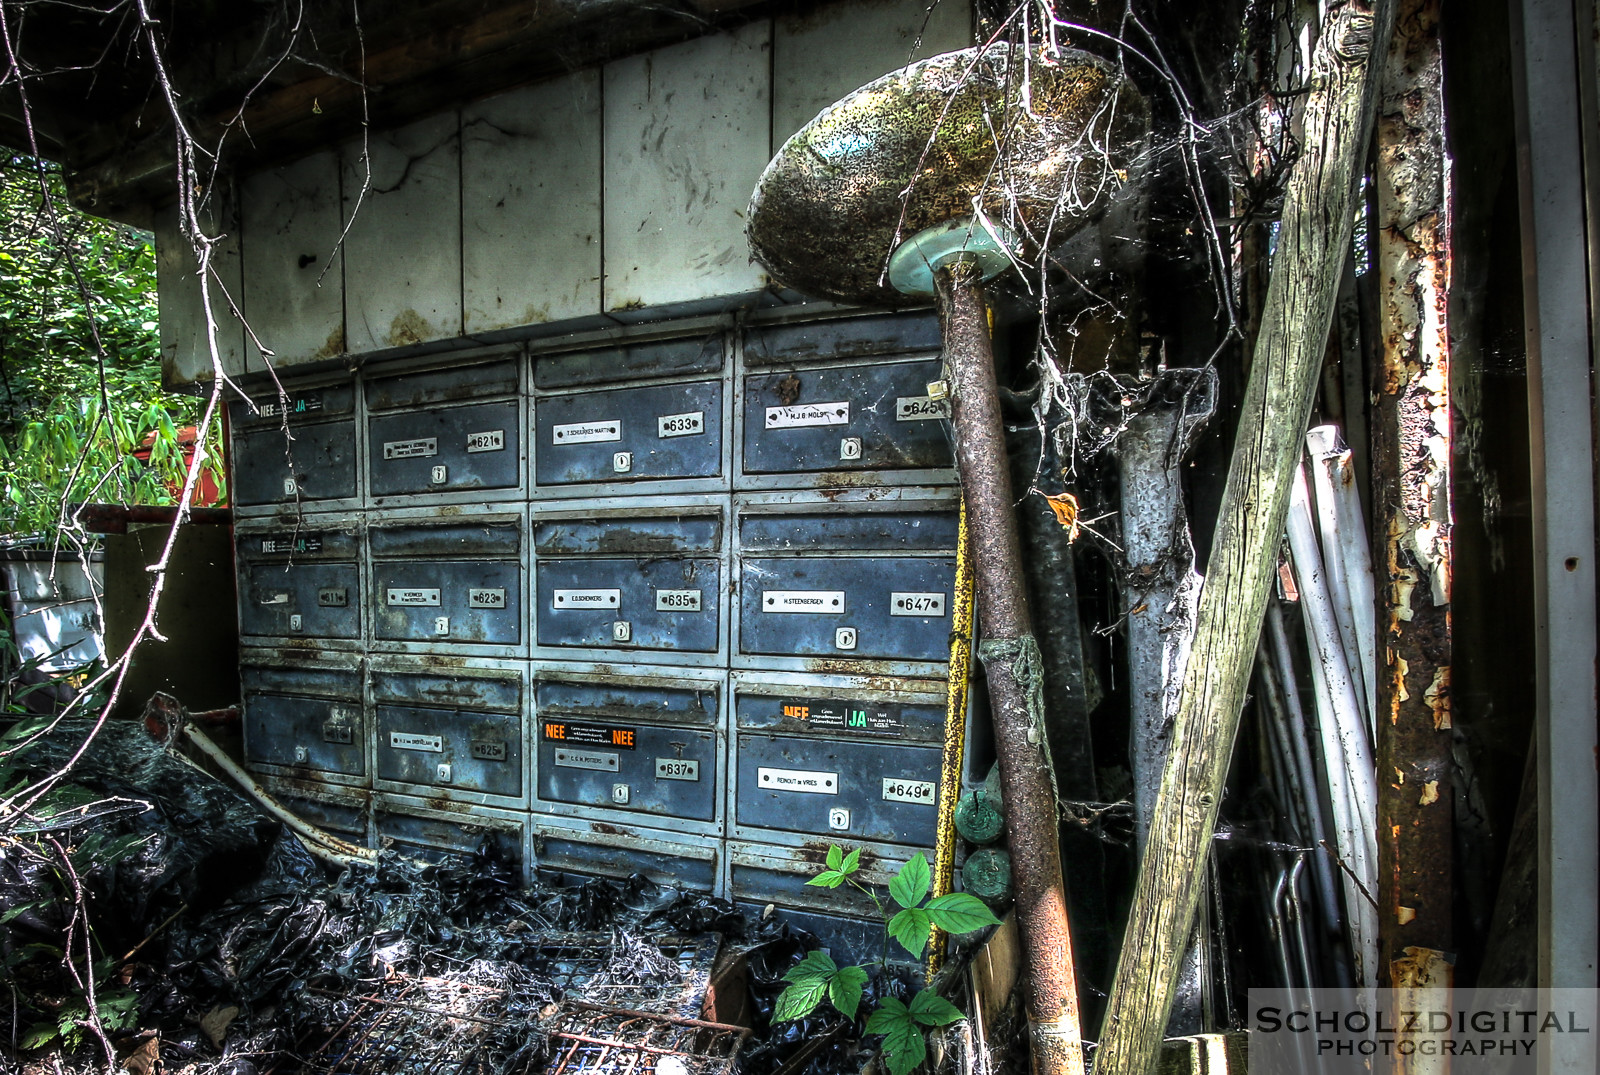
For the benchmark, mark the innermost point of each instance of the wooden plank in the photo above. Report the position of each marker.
(823, 54)
(185, 350)
(293, 272)
(402, 273)
(530, 193)
(686, 136)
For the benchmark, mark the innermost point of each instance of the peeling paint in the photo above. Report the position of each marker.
(1430, 793)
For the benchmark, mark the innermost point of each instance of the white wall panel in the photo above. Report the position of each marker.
(530, 190)
(403, 255)
(185, 349)
(687, 132)
(824, 54)
(291, 224)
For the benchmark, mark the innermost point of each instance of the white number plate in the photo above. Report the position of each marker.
(908, 791)
(681, 425)
(916, 604)
(587, 432)
(797, 780)
(604, 761)
(493, 440)
(808, 414)
(433, 744)
(830, 602)
(418, 598)
(920, 408)
(564, 599)
(411, 449)
(677, 769)
(677, 600)
(486, 599)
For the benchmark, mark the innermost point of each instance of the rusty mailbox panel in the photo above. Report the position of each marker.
(448, 584)
(301, 582)
(660, 432)
(564, 846)
(304, 719)
(440, 735)
(294, 449)
(846, 585)
(629, 581)
(843, 768)
(408, 827)
(645, 747)
(844, 920)
(840, 338)
(455, 430)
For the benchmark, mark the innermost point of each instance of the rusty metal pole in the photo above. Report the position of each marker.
(1014, 671)
(1411, 444)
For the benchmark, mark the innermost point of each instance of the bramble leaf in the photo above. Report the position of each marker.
(845, 990)
(910, 885)
(827, 879)
(835, 856)
(799, 1000)
(960, 912)
(930, 1009)
(852, 863)
(903, 1045)
(910, 928)
(816, 965)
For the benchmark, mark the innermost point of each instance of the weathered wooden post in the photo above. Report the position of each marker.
(890, 197)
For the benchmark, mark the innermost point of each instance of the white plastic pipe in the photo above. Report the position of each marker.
(1348, 557)
(1344, 732)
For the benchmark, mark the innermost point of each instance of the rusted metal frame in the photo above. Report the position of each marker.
(1052, 1001)
(1285, 372)
(1411, 445)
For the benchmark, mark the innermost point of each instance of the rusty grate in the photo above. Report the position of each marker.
(585, 966)
(589, 1039)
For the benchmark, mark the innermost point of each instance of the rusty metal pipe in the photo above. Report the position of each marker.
(1013, 676)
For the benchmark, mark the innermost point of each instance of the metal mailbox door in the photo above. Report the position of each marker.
(455, 583)
(594, 751)
(304, 718)
(444, 450)
(844, 788)
(591, 593)
(868, 607)
(845, 418)
(431, 748)
(315, 461)
(652, 432)
(300, 584)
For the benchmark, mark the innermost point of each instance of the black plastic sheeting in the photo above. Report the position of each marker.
(232, 910)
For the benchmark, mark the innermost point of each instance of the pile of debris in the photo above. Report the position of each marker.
(220, 946)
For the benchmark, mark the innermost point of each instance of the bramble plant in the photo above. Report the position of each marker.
(902, 1025)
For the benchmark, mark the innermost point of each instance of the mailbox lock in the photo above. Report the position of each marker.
(844, 638)
(441, 625)
(838, 819)
(296, 622)
(444, 772)
(622, 462)
(290, 487)
(622, 631)
(620, 794)
(938, 389)
(439, 475)
(850, 448)
(302, 755)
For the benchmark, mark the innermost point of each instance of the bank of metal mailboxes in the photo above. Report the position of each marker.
(437, 432)
(657, 435)
(638, 745)
(450, 583)
(809, 422)
(648, 581)
(454, 733)
(296, 449)
(866, 583)
(304, 718)
(301, 581)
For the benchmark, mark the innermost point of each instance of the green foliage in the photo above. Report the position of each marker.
(903, 1026)
(74, 288)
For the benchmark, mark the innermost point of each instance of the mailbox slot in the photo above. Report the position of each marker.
(597, 849)
(304, 719)
(300, 582)
(608, 365)
(433, 432)
(838, 338)
(448, 584)
(316, 461)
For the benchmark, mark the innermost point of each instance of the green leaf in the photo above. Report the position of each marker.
(910, 885)
(845, 990)
(930, 1009)
(835, 856)
(960, 912)
(827, 879)
(903, 1045)
(37, 1037)
(814, 967)
(852, 863)
(799, 1000)
(910, 928)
